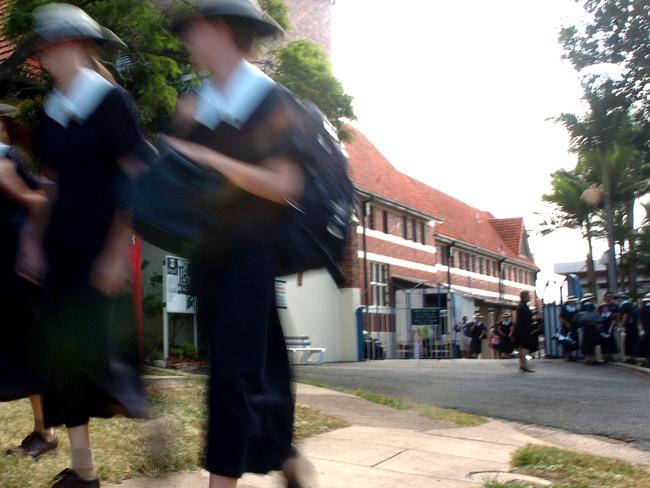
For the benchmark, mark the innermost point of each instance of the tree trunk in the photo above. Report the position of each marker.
(591, 272)
(631, 268)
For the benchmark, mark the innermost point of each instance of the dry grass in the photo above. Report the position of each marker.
(131, 448)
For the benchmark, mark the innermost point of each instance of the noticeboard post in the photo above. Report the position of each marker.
(177, 297)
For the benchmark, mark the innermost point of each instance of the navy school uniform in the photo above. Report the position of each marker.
(20, 351)
(523, 327)
(251, 403)
(631, 327)
(505, 342)
(569, 312)
(93, 368)
(605, 331)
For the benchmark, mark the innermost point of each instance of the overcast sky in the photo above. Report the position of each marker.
(458, 95)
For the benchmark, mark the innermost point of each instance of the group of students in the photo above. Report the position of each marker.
(505, 336)
(68, 331)
(585, 324)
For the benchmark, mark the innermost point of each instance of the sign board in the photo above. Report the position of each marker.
(281, 293)
(425, 316)
(176, 275)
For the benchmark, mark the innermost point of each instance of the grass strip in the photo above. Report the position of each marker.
(567, 469)
(435, 413)
(123, 448)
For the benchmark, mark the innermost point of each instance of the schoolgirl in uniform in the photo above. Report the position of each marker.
(86, 131)
(521, 333)
(20, 355)
(240, 125)
(504, 328)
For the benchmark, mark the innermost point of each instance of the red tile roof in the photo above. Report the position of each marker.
(372, 172)
(6, 47)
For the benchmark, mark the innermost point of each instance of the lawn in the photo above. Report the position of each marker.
(566, 469)
(128, 448)
(456, 417)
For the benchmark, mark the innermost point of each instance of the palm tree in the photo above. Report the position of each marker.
(572, 211)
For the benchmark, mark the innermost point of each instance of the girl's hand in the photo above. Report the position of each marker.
(193, 151)
(110, 273)
(30, 261)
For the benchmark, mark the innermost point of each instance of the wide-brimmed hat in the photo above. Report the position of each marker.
(7, 110)
(588, 297)
(506, 315)
(571, 298)
(56, 22)
(260, 24)
(621, 295)
(646, 298)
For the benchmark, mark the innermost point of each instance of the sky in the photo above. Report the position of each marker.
(459, 95)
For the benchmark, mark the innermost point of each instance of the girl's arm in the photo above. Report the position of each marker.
(278, 180)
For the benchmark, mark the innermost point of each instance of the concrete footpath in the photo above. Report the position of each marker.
(386, 448)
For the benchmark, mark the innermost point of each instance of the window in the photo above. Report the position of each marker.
(405, 227)
(414, 227)
(384, 217)
(379, 284)
(481, 269)
(472, 263)
(371, 217)
(444, 254)
(423, 233)
(461, 260)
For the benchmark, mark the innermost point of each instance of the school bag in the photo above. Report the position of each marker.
(167, 213)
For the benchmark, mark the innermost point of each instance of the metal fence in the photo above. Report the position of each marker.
(401, 333)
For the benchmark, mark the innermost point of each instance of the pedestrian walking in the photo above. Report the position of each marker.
(478, 334)
(462, 328)
(588, 320)
(504, 328)
(522, 331)
(21, 357)
(643, 350)
(606, 330)
(537, 330)
(86, 132)
(568, 332)
(494, 339)
(628, 321)
(240, 126)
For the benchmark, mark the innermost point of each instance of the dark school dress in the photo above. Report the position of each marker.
(643, 347)
(631, 327)
(476, 346)
(605, 330)
(569, 313)
(505, 342)
(523, 327)
(251, 403)
(20, 354)
(93, 367)
(589, 323)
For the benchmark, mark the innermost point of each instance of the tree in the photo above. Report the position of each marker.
(571, 211)
(616, 34)
(157, 68)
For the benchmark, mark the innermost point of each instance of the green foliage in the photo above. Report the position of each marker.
(303, 68)
(616, 34)
(186, 351)
(278, 10)
(153, 69)
(157, 66)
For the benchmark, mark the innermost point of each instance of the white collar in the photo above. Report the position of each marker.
(244, 91)
(87, 91)
(4, 149)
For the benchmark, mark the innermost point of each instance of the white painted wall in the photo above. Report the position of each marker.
(325, 313)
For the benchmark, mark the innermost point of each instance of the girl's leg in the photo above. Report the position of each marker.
(82, 455)
(39, 425)
(217, 481)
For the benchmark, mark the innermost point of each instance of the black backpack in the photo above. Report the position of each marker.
(319, 222)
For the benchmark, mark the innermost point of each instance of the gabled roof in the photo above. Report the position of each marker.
(372, 172)
(6, 47)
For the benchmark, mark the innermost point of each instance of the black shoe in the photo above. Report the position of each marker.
(526, 370)
(298, 471)
(35, 445)
(69, 479)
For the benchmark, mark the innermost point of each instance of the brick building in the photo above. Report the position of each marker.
(413, 247)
